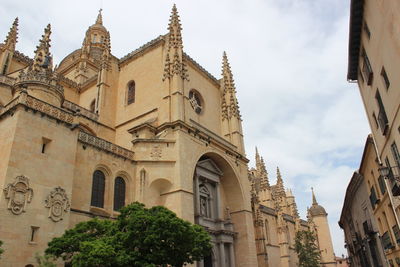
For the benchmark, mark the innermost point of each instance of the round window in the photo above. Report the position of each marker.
(195, 101)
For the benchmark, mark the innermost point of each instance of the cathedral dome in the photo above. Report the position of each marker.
(316, 210)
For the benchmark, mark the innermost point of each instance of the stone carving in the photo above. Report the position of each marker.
(105, 145)
(50, 110)
(58, 203)
(18, 194)
(156, 152)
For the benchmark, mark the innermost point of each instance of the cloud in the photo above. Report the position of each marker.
(289, 60)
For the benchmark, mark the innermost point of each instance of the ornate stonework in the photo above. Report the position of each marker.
(156, 152)
(18, 194)
(105, 145)
(58, 203)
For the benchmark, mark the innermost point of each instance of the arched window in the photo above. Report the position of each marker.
(131, 93)
(98, 185)
(119, 193)
(93, 105)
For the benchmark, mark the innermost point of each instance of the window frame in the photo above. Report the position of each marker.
(131, 93)
(98, 189)
(119, 197)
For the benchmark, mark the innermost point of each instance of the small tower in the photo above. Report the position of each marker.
(319, 218)
(8, 47)
(230, 113)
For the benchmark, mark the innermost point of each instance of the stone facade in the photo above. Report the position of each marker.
(97, 132)
(374, 56)
(358, 218)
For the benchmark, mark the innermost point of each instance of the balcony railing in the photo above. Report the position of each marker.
(83, 111)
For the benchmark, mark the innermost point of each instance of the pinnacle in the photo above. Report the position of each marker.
(43, 57)
(12, 35)
(174, 28)
(314, 200)
(99, 19)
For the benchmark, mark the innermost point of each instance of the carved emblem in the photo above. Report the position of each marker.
(18, 194)
(156, 152)
(58, 203)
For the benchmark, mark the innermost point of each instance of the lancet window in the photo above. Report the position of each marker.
(119, 193)
(131, 93)
(98, 187)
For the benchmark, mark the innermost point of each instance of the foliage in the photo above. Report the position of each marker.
(139, 237)
(1, 250)
(45, 261)
(307, 250)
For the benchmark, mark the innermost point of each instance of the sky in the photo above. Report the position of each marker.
(289, 61)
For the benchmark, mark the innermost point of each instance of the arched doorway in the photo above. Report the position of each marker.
(212, 211)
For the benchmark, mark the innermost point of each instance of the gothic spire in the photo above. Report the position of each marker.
(314, 200)
(43, 59)
(99, 19)
(12, 36)
(229, 89)
(174, 61)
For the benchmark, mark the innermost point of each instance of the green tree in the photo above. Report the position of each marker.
(307, 250)
(138, 237)
(1, 250)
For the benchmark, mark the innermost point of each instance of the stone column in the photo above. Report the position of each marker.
(222, 255)
(217, 201)
(231, 255)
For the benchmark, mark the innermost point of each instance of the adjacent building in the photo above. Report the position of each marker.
(98, 132)
(374, 56)
(364, 214)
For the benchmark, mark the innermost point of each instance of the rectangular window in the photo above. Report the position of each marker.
(382, 186)
(396, 154)
(373, 198)
(387, 241)
(366, 30)
(396, 232)
(34, 231)
(385, 78)
(367, 69)
(45, 144)
(382, 118)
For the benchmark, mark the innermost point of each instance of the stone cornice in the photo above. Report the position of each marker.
(104, 145)
(7, 80)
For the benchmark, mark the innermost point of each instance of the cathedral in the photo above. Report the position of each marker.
(84, 138)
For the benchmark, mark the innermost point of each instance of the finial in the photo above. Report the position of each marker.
(175, 28)
(314, 200)
(43, 59)
(12, 36)
(99, 19)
